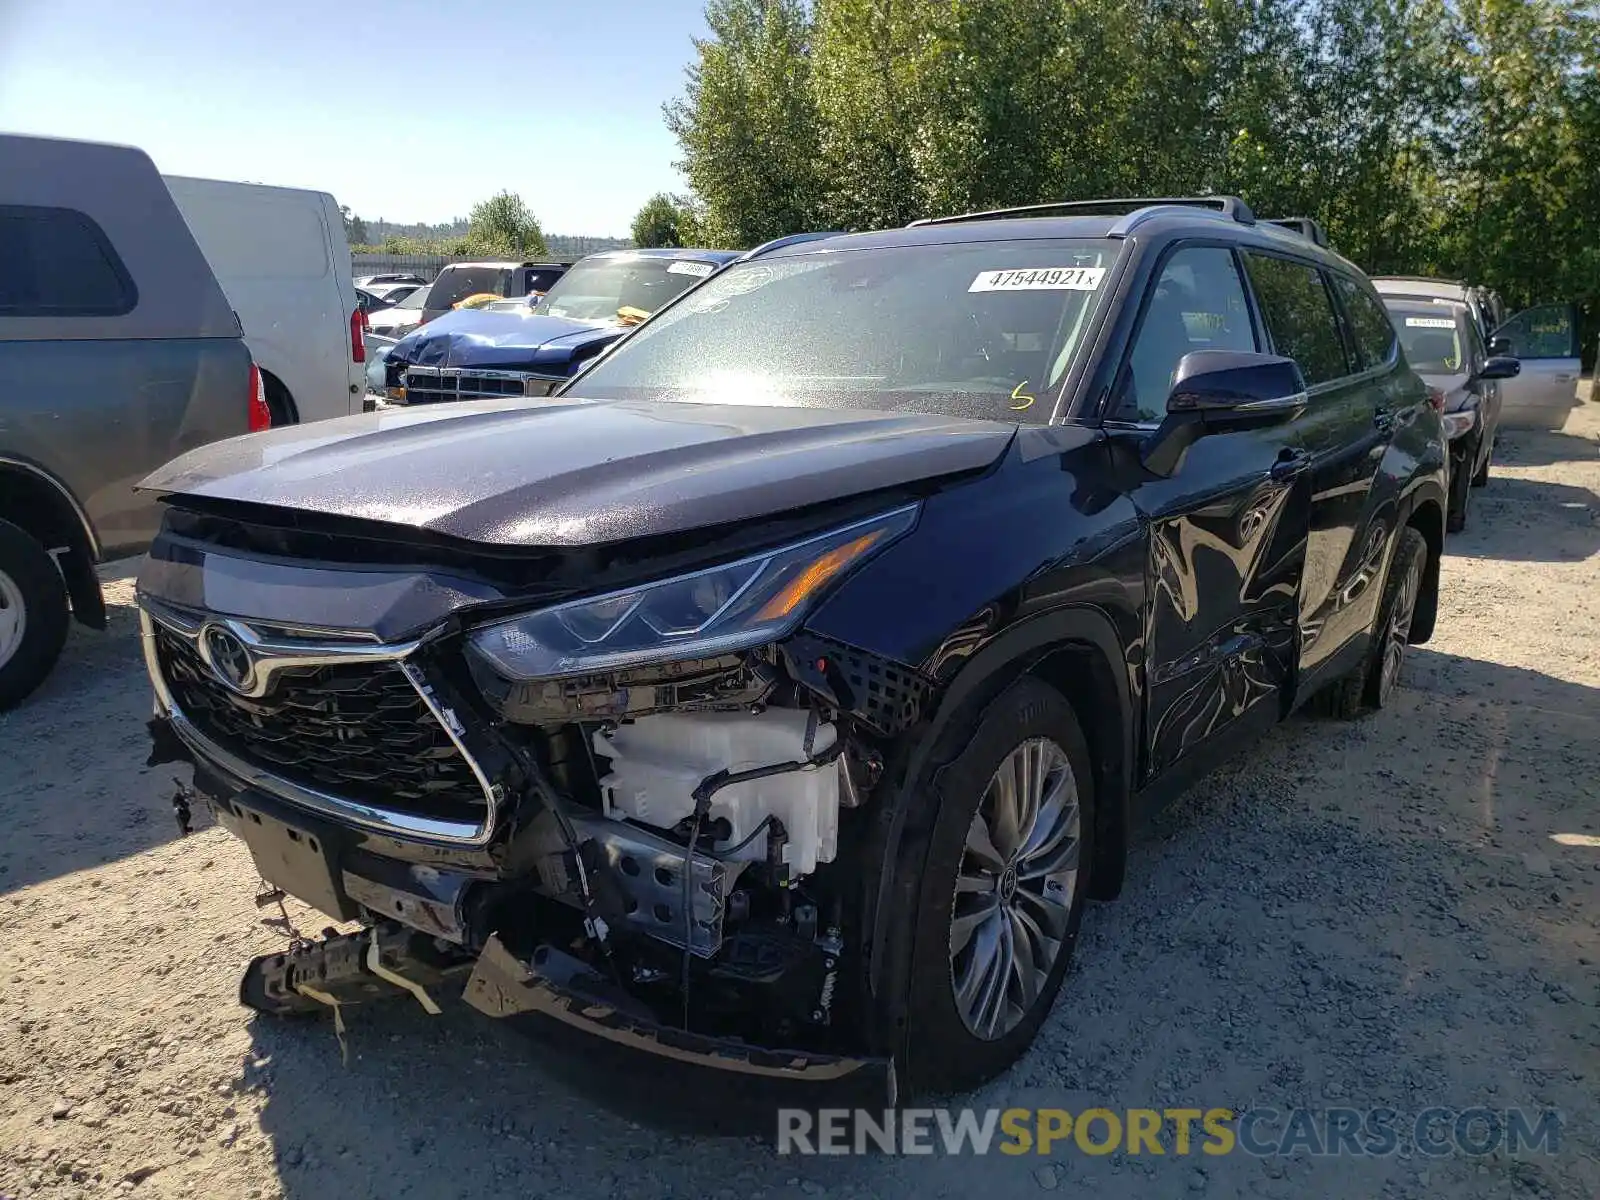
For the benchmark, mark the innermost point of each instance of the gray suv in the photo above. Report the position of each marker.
(118, 352)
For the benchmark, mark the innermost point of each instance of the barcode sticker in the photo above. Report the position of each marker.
(698, 270)
(1429, 323)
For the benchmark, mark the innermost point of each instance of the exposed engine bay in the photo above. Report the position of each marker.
(666, 843)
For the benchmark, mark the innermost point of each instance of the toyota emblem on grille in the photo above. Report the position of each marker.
(228, 657)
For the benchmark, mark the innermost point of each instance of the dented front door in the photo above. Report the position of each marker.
(1227, 553)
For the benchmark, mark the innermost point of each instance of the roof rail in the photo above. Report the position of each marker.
(790, 240)
(1306, 227)
(1229, 206)
(1424, 279)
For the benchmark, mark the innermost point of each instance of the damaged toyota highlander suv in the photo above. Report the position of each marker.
(775, 696)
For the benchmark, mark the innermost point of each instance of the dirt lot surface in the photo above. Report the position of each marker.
(1398, 912)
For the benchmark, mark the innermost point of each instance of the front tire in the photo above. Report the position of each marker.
(1373, 683)
(1002, 889)
(1460, 499)
(33, 614)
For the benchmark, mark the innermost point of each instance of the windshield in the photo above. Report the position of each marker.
(1430, 335)
(980, 329)
(599, 289)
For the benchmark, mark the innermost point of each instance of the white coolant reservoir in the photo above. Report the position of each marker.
(657, 762)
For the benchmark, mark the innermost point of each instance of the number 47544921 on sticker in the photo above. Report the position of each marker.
(1049, 279)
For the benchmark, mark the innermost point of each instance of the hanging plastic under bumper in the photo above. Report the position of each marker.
(502, 985)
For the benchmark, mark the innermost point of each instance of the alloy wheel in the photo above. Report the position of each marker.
(1398, 635)
(1015, 888)
(13, 618)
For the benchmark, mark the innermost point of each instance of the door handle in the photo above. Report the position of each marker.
(1290, 464)
(1383, 420)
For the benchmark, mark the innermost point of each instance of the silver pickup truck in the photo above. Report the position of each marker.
(118, 351)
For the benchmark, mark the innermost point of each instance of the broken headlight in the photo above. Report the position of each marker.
(732, 607)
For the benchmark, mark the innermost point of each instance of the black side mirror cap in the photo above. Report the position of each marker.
(1215, 390)
(1501, 367)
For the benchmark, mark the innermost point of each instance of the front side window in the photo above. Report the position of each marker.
(1545, 332)
(601, 289)
(57, 262)
(1433, 336)
(979, 329)
(1198, 304)
(1369, 321)
(540, 279)
(1299, 315)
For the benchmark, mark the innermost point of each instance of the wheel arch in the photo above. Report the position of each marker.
(44, 507)
(279, 398)
(1077, 651)
(1424, 512)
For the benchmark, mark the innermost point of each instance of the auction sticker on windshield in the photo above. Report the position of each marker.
(1429, 323)
(698, 270)
(1048, 279)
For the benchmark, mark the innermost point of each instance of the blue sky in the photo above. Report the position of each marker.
(558, 101)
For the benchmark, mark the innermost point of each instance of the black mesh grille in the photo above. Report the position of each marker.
(358, 731)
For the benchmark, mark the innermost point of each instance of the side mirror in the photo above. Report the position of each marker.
(1499, 345)
(1216, 390)
(1501, 367)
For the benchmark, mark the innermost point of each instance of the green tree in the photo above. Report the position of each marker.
(355, 229)
(658, 223)
(747, 123)
(503, 227)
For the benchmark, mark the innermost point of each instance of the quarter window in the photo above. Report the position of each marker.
(1198, 304)
(56, 262)
(1299, 316)
(1369, 320)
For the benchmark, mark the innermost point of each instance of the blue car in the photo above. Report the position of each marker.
(476, 354)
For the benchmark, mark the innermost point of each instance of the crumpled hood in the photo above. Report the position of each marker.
(573, 472)
(505, 341)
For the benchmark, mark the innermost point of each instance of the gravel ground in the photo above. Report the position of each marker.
(1374, 914)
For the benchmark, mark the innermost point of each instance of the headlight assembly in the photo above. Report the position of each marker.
(731, 607)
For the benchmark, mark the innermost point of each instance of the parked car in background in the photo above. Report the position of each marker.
(284, 264)
(532, 349)
(775, 697)
(1443, 342)
(399, 318)
(380, 296)
(118, 351)
(1544, 340)
(457, 281)
(369, 281)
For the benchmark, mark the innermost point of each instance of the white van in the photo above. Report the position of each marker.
(284, 264)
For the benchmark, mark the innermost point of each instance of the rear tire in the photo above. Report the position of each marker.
(1371, 685)
(33, 614)
(1482, 477)
(1460, 498)
(1002, 889)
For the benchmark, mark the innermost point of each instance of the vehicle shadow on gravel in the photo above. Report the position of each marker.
(1530, 520)
(1543, 448)
(75, 791)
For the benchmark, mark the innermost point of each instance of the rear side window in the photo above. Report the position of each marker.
(539, 279)
(452, 287)
(56, 262)
(1369, 321)
(1299, 315)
